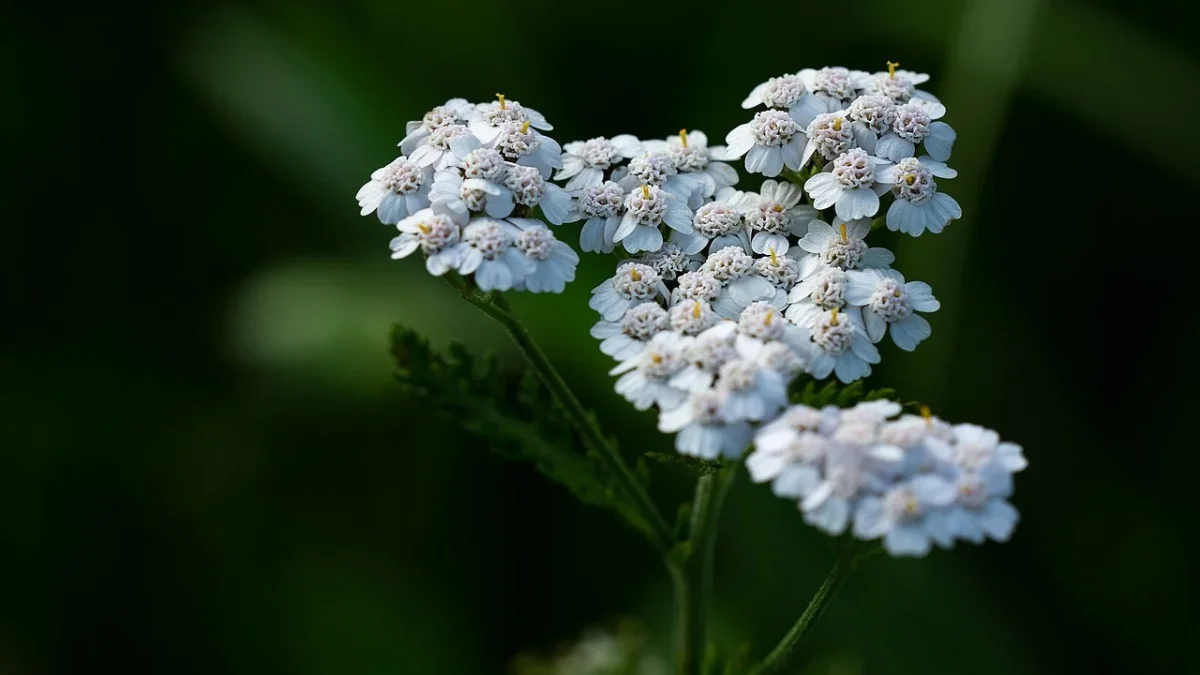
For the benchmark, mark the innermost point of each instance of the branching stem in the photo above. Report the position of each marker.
(848, 558)
(493, 305)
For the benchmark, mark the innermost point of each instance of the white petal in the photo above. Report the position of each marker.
(493, 275)
(864, 137)
(807, 109)
(404, 245)
(939, 169)
(643, 238)
(792, 153)
(859, 202)
(739, 141)
(691, 243)
(678, 217)
(796, 480)
(763, 242)
(628, 223)
(823, 189)
(870, 520)
(940, 141)
(819, 234)
(461, 146)
(722, 174)
(894, 148)
(908, 332)
(754, 99)
(821, 365)
(875, 325)
(998, 519)
(922, 296)
(556, 203)
(392, 208)
(849, 368)
(907, 540)
(756, 158)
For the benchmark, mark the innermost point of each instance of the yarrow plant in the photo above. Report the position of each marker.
(746, 319)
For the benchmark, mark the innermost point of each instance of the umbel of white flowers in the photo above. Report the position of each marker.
(731, 295)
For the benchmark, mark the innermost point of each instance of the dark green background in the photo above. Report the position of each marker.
(207, 469)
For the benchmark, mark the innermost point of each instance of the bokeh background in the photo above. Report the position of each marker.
(206, 466)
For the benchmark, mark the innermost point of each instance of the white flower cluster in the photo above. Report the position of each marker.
(695, 318)
(708, 354)
(911, 481)
(464, 193)
(864, 129)
(731, 295)
(629, 192)
(841, 294)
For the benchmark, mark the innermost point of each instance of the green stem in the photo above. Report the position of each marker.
(660, 533)
(693, 576)
(846, 561)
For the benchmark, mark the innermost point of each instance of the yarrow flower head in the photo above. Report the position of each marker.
(465, 194)
(853, 469)
(918, 205)
(771, 141)
(833, 84)
(901, 87)
(550, 263)
(698, 162)
(913, 126)
(455, 112)
(587, 163)
(774, 215)
(716, 224)
(647, 209)
(633, 284)
(842, 245)
(829, 135)
(790, 93)
(435, 235)
(888, 301)
(489, 120)
(395, 191)
(625, 339)
(849, 184)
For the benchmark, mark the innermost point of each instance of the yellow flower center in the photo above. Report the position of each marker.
(842, 227)
(645, 192)
(525, 127)
(425, 229)
(837, 124)
(833, 321)
(683, 137)
(892, 69)
(635, 275)
(927, 414)
(696, 310)
(503, 106)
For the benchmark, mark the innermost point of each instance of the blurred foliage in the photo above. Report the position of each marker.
(207, 467)
(599, 651)
(515, 417)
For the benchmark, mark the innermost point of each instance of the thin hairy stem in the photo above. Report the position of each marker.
(847, 560)
(660, 534)
(693, 576)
